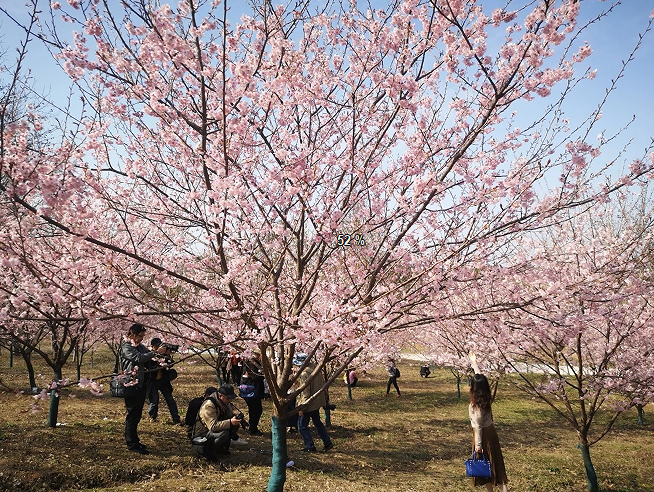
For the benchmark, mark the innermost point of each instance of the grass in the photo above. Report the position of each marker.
(414, 443)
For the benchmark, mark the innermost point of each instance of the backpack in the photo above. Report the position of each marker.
(200, 445)
(193, 410)
(397, 372)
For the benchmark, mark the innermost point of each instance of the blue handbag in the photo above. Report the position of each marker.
(478, 467)
(247, 391)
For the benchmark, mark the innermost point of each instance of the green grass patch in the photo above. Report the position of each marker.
(413, 443)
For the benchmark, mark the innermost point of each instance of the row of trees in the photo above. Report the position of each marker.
(202, 184)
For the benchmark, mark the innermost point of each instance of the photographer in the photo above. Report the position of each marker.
(160, 382)
(134, 356)
(216, 423)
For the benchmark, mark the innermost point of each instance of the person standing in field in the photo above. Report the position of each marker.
(235, 367)
(351, 374)
(312, 412)
(133, 354)
(393, 374)
(160, 382)
(485, 439)
(253, 377)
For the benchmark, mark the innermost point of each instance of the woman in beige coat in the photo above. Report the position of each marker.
(312, 411)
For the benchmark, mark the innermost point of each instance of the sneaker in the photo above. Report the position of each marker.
(240, 442)
(309, 450)
(328, 447)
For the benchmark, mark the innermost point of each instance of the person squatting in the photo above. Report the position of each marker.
(216, 424)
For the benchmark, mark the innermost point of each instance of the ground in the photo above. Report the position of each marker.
(417, 442)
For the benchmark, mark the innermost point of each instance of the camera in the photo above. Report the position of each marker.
(330, 406)
(244, 423)
(171, 347)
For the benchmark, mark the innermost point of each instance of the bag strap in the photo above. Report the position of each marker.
(483, 458)
(119, 362)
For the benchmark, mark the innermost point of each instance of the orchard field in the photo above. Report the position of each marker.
(345, 180)
(414, 443)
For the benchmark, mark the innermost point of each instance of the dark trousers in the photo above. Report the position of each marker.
(392, 380)
(236, 375)
(218, 442)
(156, 386)
(303, 428)
(134, 405)
(255, 410)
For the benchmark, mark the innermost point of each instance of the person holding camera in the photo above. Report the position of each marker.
(193, 409)
(135, 356)
(216, 422)
(160, 382)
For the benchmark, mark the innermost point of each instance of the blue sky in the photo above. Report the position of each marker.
(612, 41)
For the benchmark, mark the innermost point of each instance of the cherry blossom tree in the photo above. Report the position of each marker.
(574, 320)
(43, 296)
(309, 177)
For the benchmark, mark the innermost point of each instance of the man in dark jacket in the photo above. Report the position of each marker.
(134, 356)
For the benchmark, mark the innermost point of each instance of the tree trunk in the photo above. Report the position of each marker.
(458, 387)
(349, 386)
(79, 358)
(591, 476)
(54, 402)
(279, 455)
(641, 414)
(30, 371)
(27, 357)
